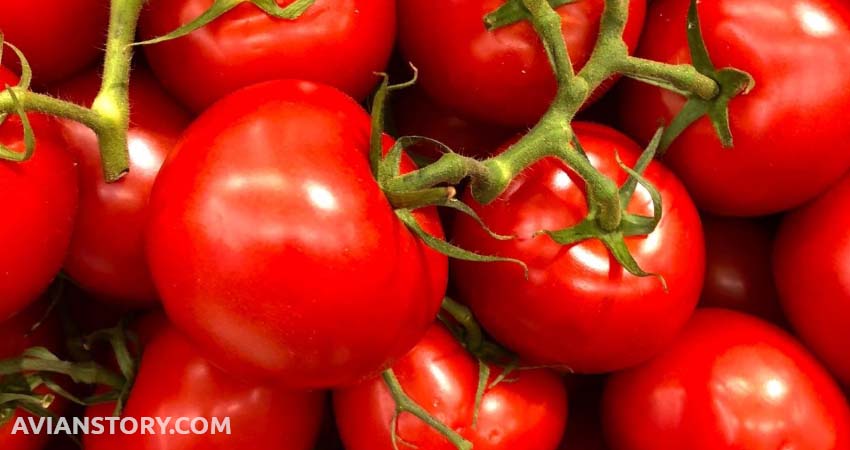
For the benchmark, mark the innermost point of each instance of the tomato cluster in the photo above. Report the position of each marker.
(262, 262)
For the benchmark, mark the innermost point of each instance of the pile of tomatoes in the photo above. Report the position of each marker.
(258, 270)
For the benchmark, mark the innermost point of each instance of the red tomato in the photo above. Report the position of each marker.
(798, 54)
(41, 200)
(529, 411)
(16, 335)
(502, 76)
(338, 42)
(730, 381)
(107, 256)
(810, 266)
(579, 308)
(174, 381)
(415, 114)
(737, 267)
(58, 37)
(273, 247)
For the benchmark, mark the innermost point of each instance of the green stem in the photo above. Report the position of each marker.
(112, 103)
(681, 77)
(474, 335)
(31, 101)
(406, 404)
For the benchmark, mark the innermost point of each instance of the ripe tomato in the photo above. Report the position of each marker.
(41, 198)
(58, 37)
(813, 278)
(415, 114)
(107, 256)
(275, 250)
(174, 381)
(501, 76)
(338, 42)
(17, 335)
(737, 267)
(797, 52)
(529, 411)
(579, 308)
(730, 381)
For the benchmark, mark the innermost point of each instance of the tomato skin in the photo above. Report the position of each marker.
(797, 53)
(42, 192)
(416, 114)
(107, 256)
(529, 413)
(502, 76)
(54, 46)
(738, 272)
(809, 265)
(730, 381)
(579, 308)
(175, 381)
(337, 42)
(291, 281)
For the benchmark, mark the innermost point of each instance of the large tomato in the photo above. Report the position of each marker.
(527, 411)
(174, 381)
(737, 266)
(337, 42)
(17, 335)
(813, 276)
(501, 76)
(579, 308)
(273, 247)
(58, 37)
(107, 255)
(797, 51)
(40, 200)
(730, 381)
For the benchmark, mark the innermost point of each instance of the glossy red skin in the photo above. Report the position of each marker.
(579, 308)
(502, 76)
(414, 113)
(274, 249)
(16, 335)
(42, 193)
(813, 279)
(337, 42)
(58, 37)
(799, 102)
(439, 374)
(738, 275)
(107, 254)
(175, 381)
(731, 381)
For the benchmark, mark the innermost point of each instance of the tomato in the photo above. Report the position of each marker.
(797, 52)
(174, 381)
(813, 278)
(579, 308)
(337, 42)
(416, 114)
(730, 381)
(41, 198)
(58, 37)
(17, 335)
(527, 412)
(502, 76)
(737, 267)
(275, 250)
(107, 254)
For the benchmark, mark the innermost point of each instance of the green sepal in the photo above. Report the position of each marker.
(462, 207)
(480, 390)
(448, 249)
(513, 11)
(386, 167)
(24, 84)
(732, 82)
(291, 12)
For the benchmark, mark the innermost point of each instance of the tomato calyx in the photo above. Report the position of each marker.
(220, 7)
(731, 82)
(512, 12)
(23, 83)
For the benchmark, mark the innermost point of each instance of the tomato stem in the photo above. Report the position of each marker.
(404, 404)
